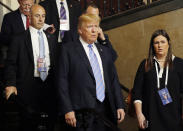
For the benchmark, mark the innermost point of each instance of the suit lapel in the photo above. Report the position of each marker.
(84, 57)
(50, 45)
(69, 4)
(19, 20)
(28, 43)
(101, 51)
(55, 9)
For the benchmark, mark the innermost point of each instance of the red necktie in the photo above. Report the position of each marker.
(27, 22)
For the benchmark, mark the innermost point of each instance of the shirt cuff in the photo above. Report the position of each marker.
(137, 101)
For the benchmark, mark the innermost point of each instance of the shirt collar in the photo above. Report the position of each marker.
(83, 42)
(158, 61)
(34, 30)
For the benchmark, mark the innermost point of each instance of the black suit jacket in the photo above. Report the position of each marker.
(52, 17)
(12, 24)
(108, 44)
(76, 82)
(19, 70)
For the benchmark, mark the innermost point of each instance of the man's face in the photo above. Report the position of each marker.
(37, 17)
(25, 6)
(89, 31)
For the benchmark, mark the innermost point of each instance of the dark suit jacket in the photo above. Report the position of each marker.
(19, 70)
(12, 24)
(108, 44)
(52, 17)
(76, 82)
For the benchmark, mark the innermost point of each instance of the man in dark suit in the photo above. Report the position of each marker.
(87, 79)
(53, 16)
(15, 22)
(30, 68)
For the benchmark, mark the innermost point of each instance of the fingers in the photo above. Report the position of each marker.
(70, 119)
(120, 115)
(10, 90)
(71, 122)
(141, 120)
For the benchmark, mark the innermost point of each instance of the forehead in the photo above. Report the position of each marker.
(38, 10)
(93, 22)
(160, 37)
(26, 1)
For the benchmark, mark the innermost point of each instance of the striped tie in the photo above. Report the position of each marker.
(62, 17)
(100, 90)
(43, 74)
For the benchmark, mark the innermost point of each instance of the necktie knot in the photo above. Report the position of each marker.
(39, 32)
(90, 46)
(61, 3)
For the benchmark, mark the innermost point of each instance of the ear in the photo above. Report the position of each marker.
(79, 31)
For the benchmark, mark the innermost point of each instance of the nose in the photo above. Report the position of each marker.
(159, 44)
(94, 29)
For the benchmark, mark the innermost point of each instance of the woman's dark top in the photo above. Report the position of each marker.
(161, 117)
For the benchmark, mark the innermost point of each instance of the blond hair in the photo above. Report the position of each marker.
(85, 18)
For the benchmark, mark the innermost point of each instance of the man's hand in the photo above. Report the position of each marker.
(70, 118)
(120, 115)
(101, 34)
(10, 90)
(51, 29)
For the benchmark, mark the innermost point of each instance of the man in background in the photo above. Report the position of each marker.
(29, 72)
(63, 14)
(17, 21)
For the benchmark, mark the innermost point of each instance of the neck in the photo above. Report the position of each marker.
(161, 58)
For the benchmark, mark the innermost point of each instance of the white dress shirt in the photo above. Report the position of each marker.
(35, 48)
(67, 25)
(86, 48)
(24, 19)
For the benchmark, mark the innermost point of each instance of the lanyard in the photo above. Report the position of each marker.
(166, 79)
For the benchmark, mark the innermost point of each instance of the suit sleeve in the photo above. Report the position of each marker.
(11, 63)
(117, 91)
(108, 44)
(6, 30)
(65, 104)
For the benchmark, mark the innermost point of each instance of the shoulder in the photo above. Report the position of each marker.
(143, 62)
(178, 59)
(178, 63)
(141, 66)
(21, 36)
(70, 45)
(12, 14)
(46, 2)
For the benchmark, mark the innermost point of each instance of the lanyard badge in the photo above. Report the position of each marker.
(165, 96)
(41, 65)
(163, 93)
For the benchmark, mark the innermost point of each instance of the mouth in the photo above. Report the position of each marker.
(94, 36)
(160, 50)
